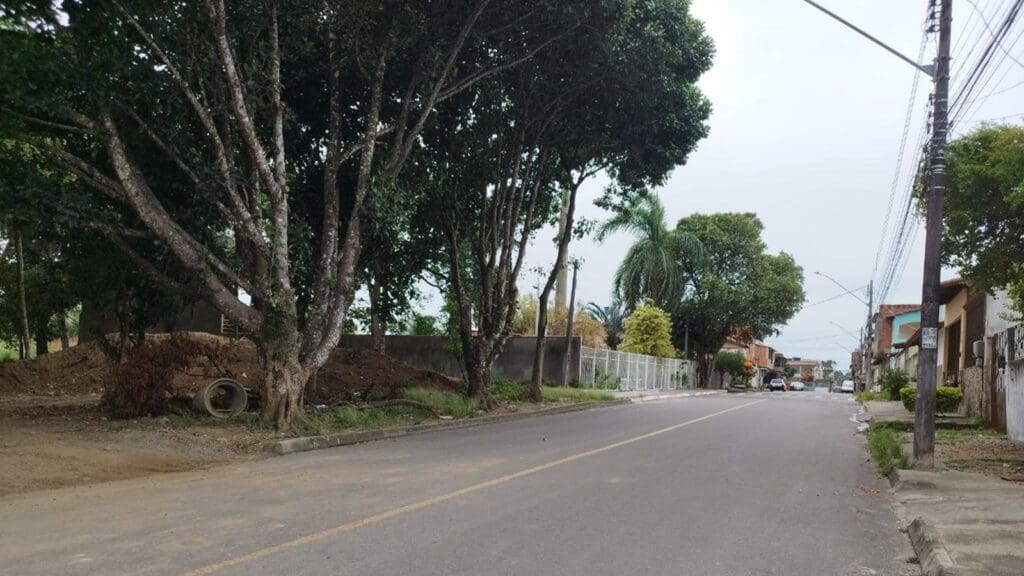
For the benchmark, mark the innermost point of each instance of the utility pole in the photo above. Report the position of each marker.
(924, 416)
(869, 372)
(569, 322)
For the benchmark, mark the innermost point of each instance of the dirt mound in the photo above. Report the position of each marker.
(356, 374)
(83, 369)
(349, 375)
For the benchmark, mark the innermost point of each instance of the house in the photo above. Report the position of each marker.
(760, 354)
(894, 324)
(807, 367)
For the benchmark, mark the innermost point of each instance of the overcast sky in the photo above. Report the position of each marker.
(805, 132)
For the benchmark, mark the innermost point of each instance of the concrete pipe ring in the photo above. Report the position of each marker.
(222, 398)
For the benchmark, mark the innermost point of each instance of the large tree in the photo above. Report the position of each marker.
(984, 209)
(203, 123)
(735, 289)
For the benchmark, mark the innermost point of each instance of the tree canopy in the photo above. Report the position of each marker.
(736, 290)
(984, 209)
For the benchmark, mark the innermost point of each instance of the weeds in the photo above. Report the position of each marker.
(868, 396)
(965, 435)
(447, 403)
(552, 394)
(508, 390)
(885, 443)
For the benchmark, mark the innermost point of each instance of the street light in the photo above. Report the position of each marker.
(845, 289)
(865, 339)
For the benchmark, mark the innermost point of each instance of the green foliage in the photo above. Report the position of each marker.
(730, 363)
(648, 331)
(650, 270)
(612, 318)
(509, 390)
(869, 396)
(337, 419)
(984, 209)
(947, 399)
(445, 402)
(736, 290)
(552, 394)
(893, 381)
(886, 446)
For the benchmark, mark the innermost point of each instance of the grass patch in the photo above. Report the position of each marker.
(552, 394)
(447, 403)
(868, 396)
(330, 420)
(965, 435)
(885, 443)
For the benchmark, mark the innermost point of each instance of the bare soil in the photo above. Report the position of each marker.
(54, 432)
(996, 457)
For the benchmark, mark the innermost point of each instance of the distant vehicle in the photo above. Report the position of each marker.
(777, 384)
(847, 386)
(797, 386)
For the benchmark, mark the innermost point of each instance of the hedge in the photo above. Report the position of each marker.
(947, 398)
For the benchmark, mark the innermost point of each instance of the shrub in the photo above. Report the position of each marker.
(649, 331)
(141, 384)
(509, 390)
(947, 399)
(893, 381)
(733, 364)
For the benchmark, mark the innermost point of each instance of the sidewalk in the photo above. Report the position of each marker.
(652, 395)
(961, 523)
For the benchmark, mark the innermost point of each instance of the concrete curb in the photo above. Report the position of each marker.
(932, 554)
(307, 443)
(653, 397)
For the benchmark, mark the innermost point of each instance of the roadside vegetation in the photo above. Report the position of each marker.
(869, 396)
(885, 444)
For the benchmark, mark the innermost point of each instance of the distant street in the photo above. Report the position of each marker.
(739, 485)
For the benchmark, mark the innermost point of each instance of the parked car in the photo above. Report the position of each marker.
(777, 384)
(797, 386)
(847, 387)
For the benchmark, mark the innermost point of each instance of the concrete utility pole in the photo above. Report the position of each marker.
(869, 334)
(569, 322)
(924, 416)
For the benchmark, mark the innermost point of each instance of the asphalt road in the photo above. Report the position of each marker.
(760, 484)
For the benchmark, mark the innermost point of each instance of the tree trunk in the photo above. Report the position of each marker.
(62, 326)
(42, 342)
(562, 279)
(26, 337)
(537, 375)
(378, 327)
(703, 371)
(284, 384)
(479, 377)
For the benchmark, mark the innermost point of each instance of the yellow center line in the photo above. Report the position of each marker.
(348, 527)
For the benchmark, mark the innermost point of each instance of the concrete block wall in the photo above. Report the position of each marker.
(437, 354)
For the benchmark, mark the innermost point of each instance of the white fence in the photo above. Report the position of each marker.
(612, 370)
(1009, 346)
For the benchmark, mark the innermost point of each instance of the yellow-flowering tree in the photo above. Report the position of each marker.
(649, 331)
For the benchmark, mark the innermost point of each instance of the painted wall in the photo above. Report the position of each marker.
(903, 327)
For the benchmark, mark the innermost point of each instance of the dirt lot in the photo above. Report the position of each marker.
(50, 442)
(984, 451)
(54, 432)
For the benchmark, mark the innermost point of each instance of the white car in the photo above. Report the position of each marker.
(797, 386)
(777, 384)
(847, 386)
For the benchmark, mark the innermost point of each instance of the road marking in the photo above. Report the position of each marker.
(317, 536)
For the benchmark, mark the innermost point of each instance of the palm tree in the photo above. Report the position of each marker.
(651, 268)
(613, 318)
